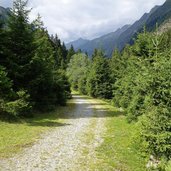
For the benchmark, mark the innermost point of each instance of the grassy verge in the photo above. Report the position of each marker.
(117, 151)
(15, 136)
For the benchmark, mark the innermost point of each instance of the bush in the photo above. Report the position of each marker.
(19, 107)
(156, 131)
(5, 84)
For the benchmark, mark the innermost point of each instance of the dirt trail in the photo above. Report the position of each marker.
(67, 148)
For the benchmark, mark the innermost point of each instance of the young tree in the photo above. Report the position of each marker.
(71, 52)
(77, 71)
(60, 52)
(99, 83)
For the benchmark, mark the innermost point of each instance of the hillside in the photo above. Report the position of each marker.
(106, 42)
(4, 12)
(77, 43)
(165, 26)
(158, 15)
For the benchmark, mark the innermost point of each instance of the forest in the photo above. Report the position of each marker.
(136, 80)
(32, 66)
(37, 73)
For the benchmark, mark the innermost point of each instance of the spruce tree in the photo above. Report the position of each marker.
(71, 52)
(20, 45)
(99, 83)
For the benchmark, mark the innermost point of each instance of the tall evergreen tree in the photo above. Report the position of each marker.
(99, 83)
(20, 45)
(71, 52)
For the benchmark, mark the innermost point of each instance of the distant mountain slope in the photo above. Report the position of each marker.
(4, 12)
(158, 15)
(77, 43)
(131, 32)
(165, 26)
(106, 42)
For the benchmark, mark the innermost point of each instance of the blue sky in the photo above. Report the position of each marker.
(72, 19)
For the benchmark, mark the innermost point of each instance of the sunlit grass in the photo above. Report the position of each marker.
(15, 136)
(117, 151)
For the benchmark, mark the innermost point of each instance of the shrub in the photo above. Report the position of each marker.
(19, 107)
(156, 131)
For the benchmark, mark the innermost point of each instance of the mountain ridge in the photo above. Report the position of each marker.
(4, 13)
(157, 15)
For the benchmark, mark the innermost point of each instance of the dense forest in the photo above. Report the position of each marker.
(37, 72)
(32, 65)
(137, 80)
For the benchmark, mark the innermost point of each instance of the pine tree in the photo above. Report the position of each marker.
(64, 51)
(116, 65)
(2, 45)
(71, 52)
(50, 86)
(20, 45)
(99, 82)
(41, 67)
(60, 52)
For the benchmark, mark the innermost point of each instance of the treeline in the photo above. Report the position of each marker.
(32, 65)
(138, 80)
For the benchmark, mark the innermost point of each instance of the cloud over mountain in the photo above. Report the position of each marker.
(72, 19)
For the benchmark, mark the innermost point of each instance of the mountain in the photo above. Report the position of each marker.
(158, 15)
(106, 42)
(131, 32)
(4, 13)
(77, 43)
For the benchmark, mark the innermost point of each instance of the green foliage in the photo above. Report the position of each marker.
(49, 86)
(168, 167)
(11, 103)
(143, 46)
(143, 89)
(98, 81)
(33, 74)
(19, 107)
(77, 71)
(156, 131)
(82, 85)
(20, 36)
(5, 84)
(31, 63)
(61, 54)
(71, 52)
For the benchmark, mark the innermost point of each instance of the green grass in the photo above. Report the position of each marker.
(168, 167)
(15, 136)
(117, 151)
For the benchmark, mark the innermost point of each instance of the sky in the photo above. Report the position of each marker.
(88, 19)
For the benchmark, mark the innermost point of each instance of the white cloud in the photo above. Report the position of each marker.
(72, 19)
(6, 3)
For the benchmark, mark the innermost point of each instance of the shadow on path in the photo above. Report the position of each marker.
(48, 124)
(78, 107)
(86, 107)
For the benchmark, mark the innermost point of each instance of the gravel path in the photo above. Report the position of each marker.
(67, 148)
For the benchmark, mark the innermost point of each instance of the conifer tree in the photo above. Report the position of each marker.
(77, 71)
(20, 45)
(99, 82)
(71, 52)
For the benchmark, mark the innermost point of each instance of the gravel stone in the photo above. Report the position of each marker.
(63, 148)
